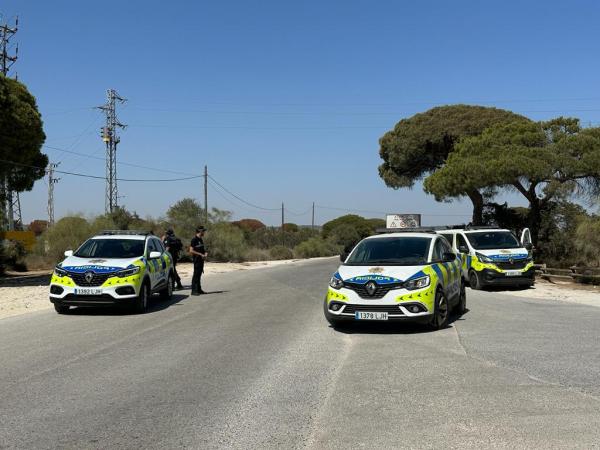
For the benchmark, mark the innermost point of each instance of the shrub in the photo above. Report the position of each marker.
(250, 225)
(291, 227)
(364, 227)
(315, 247)
(346, 236)
(225, 242)
(66, 234)
(281, 252)
(257, 254)
(587, 240)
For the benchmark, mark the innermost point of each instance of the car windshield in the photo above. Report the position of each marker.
(400, 251)
(111, 248)
(491, 240)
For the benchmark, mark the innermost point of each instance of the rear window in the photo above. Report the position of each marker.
(401, 251)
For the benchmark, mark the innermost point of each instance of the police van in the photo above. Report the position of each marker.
(493, 256)
(399, 275)
(113, 268)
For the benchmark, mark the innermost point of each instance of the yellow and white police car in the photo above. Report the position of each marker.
(493, 256)
(113, 268)
(397, 276)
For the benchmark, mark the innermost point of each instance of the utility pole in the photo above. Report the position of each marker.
(111, 138)
(11, 207)
(206, 196)
(282, 224)
(313, 217)
(51, 182)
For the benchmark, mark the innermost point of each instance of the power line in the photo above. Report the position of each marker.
(241, 199)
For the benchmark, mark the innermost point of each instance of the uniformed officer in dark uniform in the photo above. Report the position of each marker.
(174, 247)
(198, 251)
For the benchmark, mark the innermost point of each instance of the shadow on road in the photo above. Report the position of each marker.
(391, 327)
(25, 280)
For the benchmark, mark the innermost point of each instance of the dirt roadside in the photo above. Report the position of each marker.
(23, 293)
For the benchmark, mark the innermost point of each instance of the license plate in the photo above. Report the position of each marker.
(365, 315)
(88, 291)
(513, 273)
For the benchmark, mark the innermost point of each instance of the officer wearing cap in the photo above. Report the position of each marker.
(174, 247)
(198, 252)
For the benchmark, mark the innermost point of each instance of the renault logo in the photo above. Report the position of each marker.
(89, 276)
(511, 261)
(371, 288)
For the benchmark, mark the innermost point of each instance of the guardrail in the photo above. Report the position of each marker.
(577, 274)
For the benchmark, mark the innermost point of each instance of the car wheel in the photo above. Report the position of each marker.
(474, 280)
(141, 302)
(167, 292)
(439, 320)
(61, 309)
(461, 308)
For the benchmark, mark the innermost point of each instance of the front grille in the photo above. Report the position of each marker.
(392, 309)
(515, 265)
(380, 291)
(97, 280)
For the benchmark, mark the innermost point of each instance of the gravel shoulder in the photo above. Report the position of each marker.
(20, 294)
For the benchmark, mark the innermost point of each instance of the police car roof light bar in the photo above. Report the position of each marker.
(126, 232)
(405, 230)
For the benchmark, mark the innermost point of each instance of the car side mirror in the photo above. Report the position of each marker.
(448, 257)
(155, 255)
(69, 253)
(529, 246)
(463, 249)
(343, 257)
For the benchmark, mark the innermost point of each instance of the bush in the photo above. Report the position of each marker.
(225, 243)
(281, 252)
(346, 236)
(249, 225)
(364, 227)
(257, 254)
(291, 227)
(587, 240)
(315, 247)
(66, 234)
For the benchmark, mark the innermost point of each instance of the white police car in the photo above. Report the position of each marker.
(493, 256)
(398, 276)
(113, 268)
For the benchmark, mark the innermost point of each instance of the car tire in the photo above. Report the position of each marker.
(142, 300)
(474, 280)
(61, 309)
(461, 307)
(439, 321)
(167, 292)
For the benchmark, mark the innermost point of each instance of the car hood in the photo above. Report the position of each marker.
(379, 274)
(505, 254)
(97, 265)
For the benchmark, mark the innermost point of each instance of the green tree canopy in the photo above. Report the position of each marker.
(420, 145)
(543, 161)
(364, 227)
(21, 136)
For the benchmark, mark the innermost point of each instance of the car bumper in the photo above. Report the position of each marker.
(493, 278)
(123, 294)
(395, 312)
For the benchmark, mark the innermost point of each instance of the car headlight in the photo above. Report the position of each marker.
(336, 282)
(417, 283)
(484, 259)
(60, 272)
(128, 272)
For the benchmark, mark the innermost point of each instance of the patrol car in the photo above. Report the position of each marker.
(397, 276)
(493, 256)
(113, 268)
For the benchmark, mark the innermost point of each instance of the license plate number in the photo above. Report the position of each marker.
(365, 315)
(88, 291)
(513, 273)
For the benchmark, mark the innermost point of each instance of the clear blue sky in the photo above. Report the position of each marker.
(285, 101)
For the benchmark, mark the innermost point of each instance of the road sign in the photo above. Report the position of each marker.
(403, 220)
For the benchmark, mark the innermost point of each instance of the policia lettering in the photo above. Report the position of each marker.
(198, 252)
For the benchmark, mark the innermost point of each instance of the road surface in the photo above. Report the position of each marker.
(255, 365)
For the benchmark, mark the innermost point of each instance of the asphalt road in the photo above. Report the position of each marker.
(257, 366)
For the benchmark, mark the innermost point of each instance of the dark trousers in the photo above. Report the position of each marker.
(196, 278)
(176, 277)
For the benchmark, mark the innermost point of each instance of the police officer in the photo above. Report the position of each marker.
(198, 251)
(174, 247)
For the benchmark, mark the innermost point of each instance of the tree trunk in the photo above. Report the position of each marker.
(477, 200)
